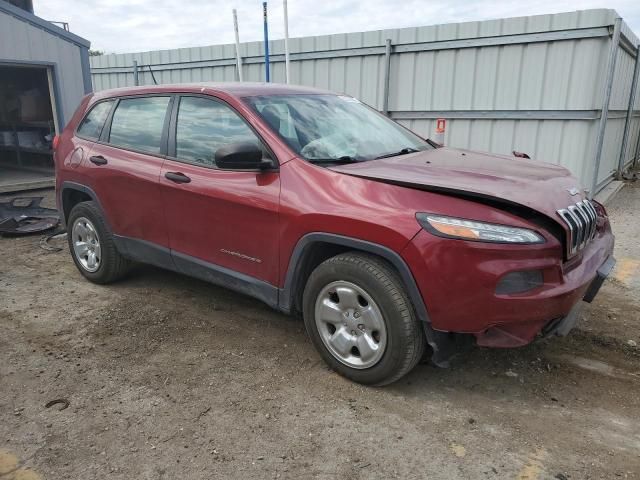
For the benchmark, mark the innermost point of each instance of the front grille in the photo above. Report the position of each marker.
(581, 220)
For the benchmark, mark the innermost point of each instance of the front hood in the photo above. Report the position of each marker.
(540, 186)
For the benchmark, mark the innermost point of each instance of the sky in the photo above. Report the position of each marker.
(118, 26)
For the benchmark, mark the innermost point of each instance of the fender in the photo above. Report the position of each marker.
(439, 341)
(293, 270)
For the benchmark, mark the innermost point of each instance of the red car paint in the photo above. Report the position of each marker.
(541, 186)
(264, 215)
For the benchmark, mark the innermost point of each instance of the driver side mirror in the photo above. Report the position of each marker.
(242, 156)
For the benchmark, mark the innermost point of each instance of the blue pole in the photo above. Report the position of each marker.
(266, 42)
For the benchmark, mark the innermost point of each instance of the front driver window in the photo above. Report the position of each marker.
(204, 126)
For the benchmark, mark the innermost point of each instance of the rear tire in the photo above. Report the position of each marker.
(360, 319)
(92, 247)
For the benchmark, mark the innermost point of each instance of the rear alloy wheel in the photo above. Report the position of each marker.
(92, 247)
(86, 244)
(360, 319)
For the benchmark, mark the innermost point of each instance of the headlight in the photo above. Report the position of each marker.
(461, 228)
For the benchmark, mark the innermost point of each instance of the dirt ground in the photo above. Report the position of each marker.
(171, 378)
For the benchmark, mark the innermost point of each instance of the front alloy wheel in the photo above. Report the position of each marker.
(350, 324)
(360, 319)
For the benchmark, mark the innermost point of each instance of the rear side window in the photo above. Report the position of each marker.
(91, 125)
(206, 125)
(137, 123)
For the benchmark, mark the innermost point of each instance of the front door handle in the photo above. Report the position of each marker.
(177, 177)
(98, 160)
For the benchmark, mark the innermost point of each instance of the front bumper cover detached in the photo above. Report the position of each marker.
(601, 275)
(516, 335)
(562, 326)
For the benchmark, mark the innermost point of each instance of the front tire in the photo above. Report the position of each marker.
(360, 319)
(92, 247)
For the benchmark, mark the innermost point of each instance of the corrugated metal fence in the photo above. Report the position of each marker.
(557, 87)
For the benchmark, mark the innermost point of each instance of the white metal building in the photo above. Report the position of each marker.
(557, 87)
(44, 72)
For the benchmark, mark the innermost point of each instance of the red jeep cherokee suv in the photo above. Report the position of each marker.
(318, 205)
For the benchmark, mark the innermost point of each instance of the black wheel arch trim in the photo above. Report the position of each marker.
(69, 185)
(295, 265)
(438, 341)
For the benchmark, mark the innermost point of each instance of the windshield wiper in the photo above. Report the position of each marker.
(404, 151)
(343, 159)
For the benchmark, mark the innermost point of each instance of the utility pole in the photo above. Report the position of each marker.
(266, 43)
(238, 59)
(286, 42)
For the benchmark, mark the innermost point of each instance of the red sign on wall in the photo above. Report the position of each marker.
(440, 125)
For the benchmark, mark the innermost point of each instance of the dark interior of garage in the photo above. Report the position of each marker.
(27, 128)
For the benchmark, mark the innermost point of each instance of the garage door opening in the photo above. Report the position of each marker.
(27, 127)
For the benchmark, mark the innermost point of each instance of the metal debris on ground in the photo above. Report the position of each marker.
(44, 241)
(24, 215)
(62, 401)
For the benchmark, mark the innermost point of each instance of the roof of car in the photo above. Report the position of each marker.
(238, 89)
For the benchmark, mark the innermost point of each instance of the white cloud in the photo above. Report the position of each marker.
(140, 25)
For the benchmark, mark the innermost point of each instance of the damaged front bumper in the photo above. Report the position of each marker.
(562, 326)
(519, 334)
(601, 275)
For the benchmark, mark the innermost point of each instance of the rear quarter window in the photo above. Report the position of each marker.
(138, 122)
(92, 124)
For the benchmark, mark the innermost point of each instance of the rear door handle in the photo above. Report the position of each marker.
(98, 160)
(177, 177)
